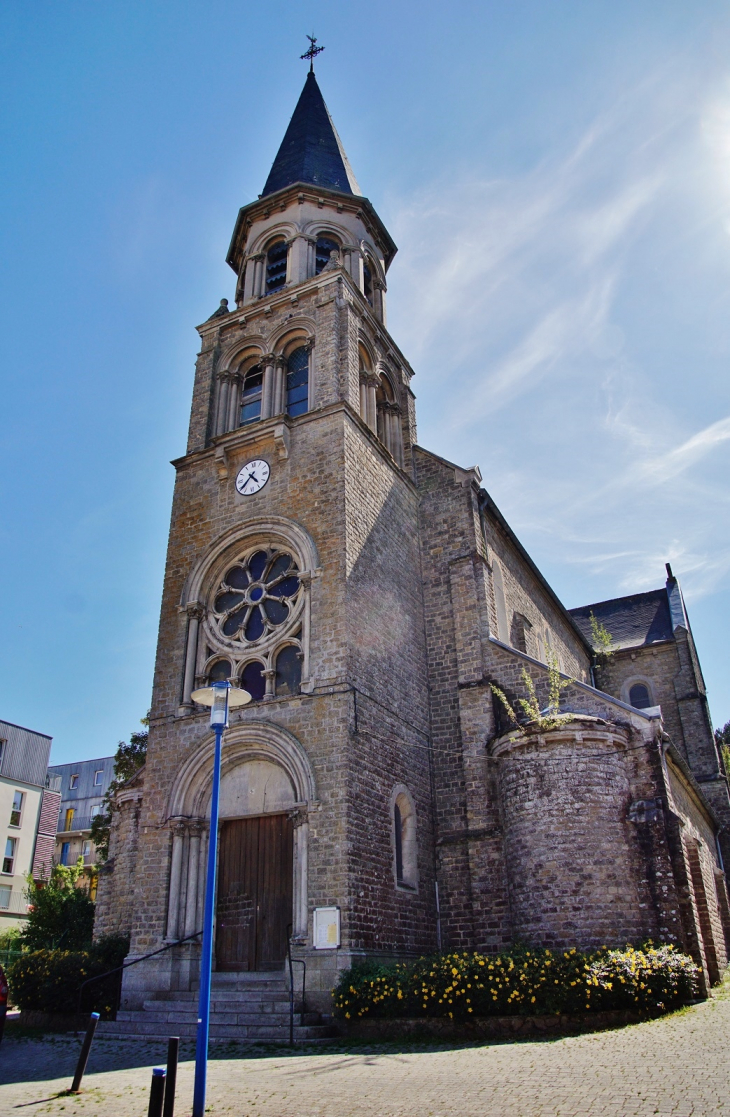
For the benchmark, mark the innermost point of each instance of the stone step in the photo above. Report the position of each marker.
(217, 1005)
(309, 1033)
(176, 1016)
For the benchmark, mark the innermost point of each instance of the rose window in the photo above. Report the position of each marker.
(256, 595)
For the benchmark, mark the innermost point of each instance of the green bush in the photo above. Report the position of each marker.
(60, 912)
(50, 980)
(529, 982)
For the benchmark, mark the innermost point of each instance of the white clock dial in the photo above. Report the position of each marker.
(252, 477)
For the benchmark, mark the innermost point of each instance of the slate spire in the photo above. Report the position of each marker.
(311, 150)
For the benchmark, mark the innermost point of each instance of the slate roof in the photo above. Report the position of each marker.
(311, 150)
(632, 621)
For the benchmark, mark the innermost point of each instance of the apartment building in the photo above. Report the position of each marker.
(29, 804)
(83, 785)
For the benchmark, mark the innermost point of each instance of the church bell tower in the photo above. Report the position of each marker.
(293, 571)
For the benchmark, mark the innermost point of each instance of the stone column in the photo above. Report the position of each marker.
(248, 279)
(195, 611)
(371, 417)
(191, 901)
(306, 580)
(222, 410)
(234, 401)
(202, 877)
(279, 403)
(259, 274)
(379, 300)
(173, 906)
(267, 391)
(270, 676)
(301, 865)
(364, 400)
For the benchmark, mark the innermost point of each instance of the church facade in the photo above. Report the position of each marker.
(377, 799)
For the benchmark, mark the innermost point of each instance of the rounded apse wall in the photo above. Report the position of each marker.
(574, 874)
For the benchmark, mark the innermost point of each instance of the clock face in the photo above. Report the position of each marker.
(252, 477)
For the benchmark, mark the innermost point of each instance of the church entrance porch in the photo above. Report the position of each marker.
(254, 906)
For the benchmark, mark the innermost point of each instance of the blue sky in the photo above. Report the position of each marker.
(557, 179)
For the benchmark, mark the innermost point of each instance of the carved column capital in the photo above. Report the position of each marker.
(299, 816)
(178, 827)
(194, 610)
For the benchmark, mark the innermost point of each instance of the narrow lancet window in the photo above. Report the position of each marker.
(251, 398)
(297, 382)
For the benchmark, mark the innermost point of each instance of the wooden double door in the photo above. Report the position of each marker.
(254, 906)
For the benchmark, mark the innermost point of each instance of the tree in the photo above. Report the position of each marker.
(60, 914)
(128, 759)
(722, 738)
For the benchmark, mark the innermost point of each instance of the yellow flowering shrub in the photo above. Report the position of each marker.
(524, 981)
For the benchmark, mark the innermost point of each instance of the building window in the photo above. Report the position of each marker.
(3, 743)
(404, 834)
(17, 808)
(639, 696)
(98, 777)
(96, 810)
(256, 595)
(324, 246)
(69, 819)
(73, 782)
(86, 852)
(367, 278)
(253, 680)
(65, 849)
(276, 266)
(288, 671)
(5, 894)
(9, 858)
(297, 382)
(220, 672)
(251, 397)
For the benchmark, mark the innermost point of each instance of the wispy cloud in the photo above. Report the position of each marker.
(561, 324)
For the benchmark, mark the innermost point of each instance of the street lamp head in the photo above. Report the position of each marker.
(221, 697)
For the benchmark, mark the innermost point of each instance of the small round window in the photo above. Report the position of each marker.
(256, 596)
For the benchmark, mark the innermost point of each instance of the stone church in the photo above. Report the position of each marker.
(377, 800)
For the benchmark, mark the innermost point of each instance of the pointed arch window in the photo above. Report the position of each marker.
(251, 396)
(297, 382)
(323, 248)
(404, 841)
(276, 258)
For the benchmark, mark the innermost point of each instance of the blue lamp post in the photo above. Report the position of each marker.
(220, 697)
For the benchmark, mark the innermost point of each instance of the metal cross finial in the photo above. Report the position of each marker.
(312, 53)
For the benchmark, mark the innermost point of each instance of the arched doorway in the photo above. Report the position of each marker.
(267, 790)
(255, 873)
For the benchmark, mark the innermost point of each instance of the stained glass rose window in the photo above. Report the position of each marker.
(256, 595)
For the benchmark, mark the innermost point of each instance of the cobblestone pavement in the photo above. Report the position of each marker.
(678, 1065)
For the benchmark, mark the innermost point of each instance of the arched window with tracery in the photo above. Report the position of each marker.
(404, 841)
(276, 262)
(251, 395)
(297, 382)
(388, 419)
(322, 251)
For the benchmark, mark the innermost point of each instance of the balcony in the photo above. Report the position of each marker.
(76, 825)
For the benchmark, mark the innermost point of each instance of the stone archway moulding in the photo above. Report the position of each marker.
(256, 740)
(289, 531)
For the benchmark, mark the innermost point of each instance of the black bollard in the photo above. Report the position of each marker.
(84, 1053)
(173, 1046)
(157, 1092)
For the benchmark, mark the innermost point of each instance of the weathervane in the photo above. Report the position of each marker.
(312, 53)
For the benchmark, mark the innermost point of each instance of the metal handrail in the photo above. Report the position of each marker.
(303, 964)
(126, 965)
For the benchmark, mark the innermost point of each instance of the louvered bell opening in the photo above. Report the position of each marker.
(276, 267)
